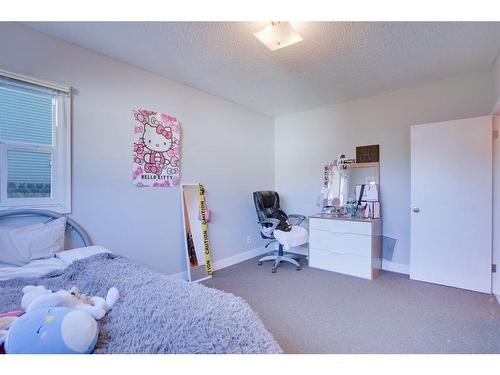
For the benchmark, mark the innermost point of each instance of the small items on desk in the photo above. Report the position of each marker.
(367, 197)
(367, 192)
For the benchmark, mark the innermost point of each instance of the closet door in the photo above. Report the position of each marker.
(451, 203)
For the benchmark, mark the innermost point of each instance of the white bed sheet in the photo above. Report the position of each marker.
(58, 262)
(34, 268)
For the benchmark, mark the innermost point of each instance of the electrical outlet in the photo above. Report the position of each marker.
(249, 240)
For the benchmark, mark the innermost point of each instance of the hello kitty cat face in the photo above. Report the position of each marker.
(157, 138)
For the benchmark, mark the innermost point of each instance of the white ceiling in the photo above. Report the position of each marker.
(336, 61)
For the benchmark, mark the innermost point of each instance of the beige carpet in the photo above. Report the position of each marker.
(315, 311)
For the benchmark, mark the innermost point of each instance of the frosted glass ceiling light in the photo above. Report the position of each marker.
(277, 35)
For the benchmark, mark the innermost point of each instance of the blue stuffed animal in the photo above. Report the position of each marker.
(55, 330)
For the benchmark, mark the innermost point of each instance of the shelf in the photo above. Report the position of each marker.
(374, 164)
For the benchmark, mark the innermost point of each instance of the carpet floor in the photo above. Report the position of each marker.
(315, 311)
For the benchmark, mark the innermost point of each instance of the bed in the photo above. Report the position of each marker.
(155, 313)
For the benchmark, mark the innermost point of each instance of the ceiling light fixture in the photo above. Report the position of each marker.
(277, 35)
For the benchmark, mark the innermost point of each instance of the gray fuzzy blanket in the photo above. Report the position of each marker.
(155, 313)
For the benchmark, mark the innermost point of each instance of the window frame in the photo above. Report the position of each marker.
(60, 199)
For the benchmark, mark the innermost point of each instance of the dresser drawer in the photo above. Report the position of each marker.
(341, 226)
(343, 263)
(343, 243)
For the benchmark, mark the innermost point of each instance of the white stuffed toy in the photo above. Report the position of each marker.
(36, 297)
(31, 292)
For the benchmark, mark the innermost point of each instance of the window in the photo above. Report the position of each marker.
(34, 144)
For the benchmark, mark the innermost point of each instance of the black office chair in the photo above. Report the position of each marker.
(267, 204)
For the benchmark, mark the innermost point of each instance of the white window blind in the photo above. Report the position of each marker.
(25, 116)
(34, 146)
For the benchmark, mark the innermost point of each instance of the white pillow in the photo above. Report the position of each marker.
(21, 245)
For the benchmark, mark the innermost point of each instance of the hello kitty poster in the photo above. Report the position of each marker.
(156, 154)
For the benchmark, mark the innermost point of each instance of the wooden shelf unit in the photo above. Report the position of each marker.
(374, 164)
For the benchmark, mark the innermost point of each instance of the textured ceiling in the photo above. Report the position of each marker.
(336, 61)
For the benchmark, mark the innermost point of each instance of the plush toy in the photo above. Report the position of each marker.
(6, 320)
(56, 330)
(36, 297)
(5, 323)
(30, 293)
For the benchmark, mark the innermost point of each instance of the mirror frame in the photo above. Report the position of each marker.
(186, 250)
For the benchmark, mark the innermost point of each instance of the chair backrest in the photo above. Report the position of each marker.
(266, 203)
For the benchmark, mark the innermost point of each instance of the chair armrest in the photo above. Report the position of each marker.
(299, 218)
(267, 230)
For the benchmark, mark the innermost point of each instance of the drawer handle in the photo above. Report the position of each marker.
(343, 233)
(332, 251)
(340, 253)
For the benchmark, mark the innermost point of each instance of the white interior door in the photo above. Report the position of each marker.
(451, 203)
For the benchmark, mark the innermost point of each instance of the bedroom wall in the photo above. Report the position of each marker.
(305, 141)
(496, 74)
(223, 146)
(496, 205)
(496, 179)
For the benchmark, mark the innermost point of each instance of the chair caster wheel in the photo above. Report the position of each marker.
(273, 270)
(298, 268)
(259, 263)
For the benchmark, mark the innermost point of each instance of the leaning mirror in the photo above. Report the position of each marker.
(195, 218)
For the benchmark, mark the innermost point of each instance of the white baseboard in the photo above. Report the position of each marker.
(387, 265)
(226, 262)
(238, 258)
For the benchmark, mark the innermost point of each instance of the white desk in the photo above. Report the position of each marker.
(346, 245)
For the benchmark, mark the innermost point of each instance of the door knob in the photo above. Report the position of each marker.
(416, 210)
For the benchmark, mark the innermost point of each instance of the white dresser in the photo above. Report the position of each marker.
(346, 245)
